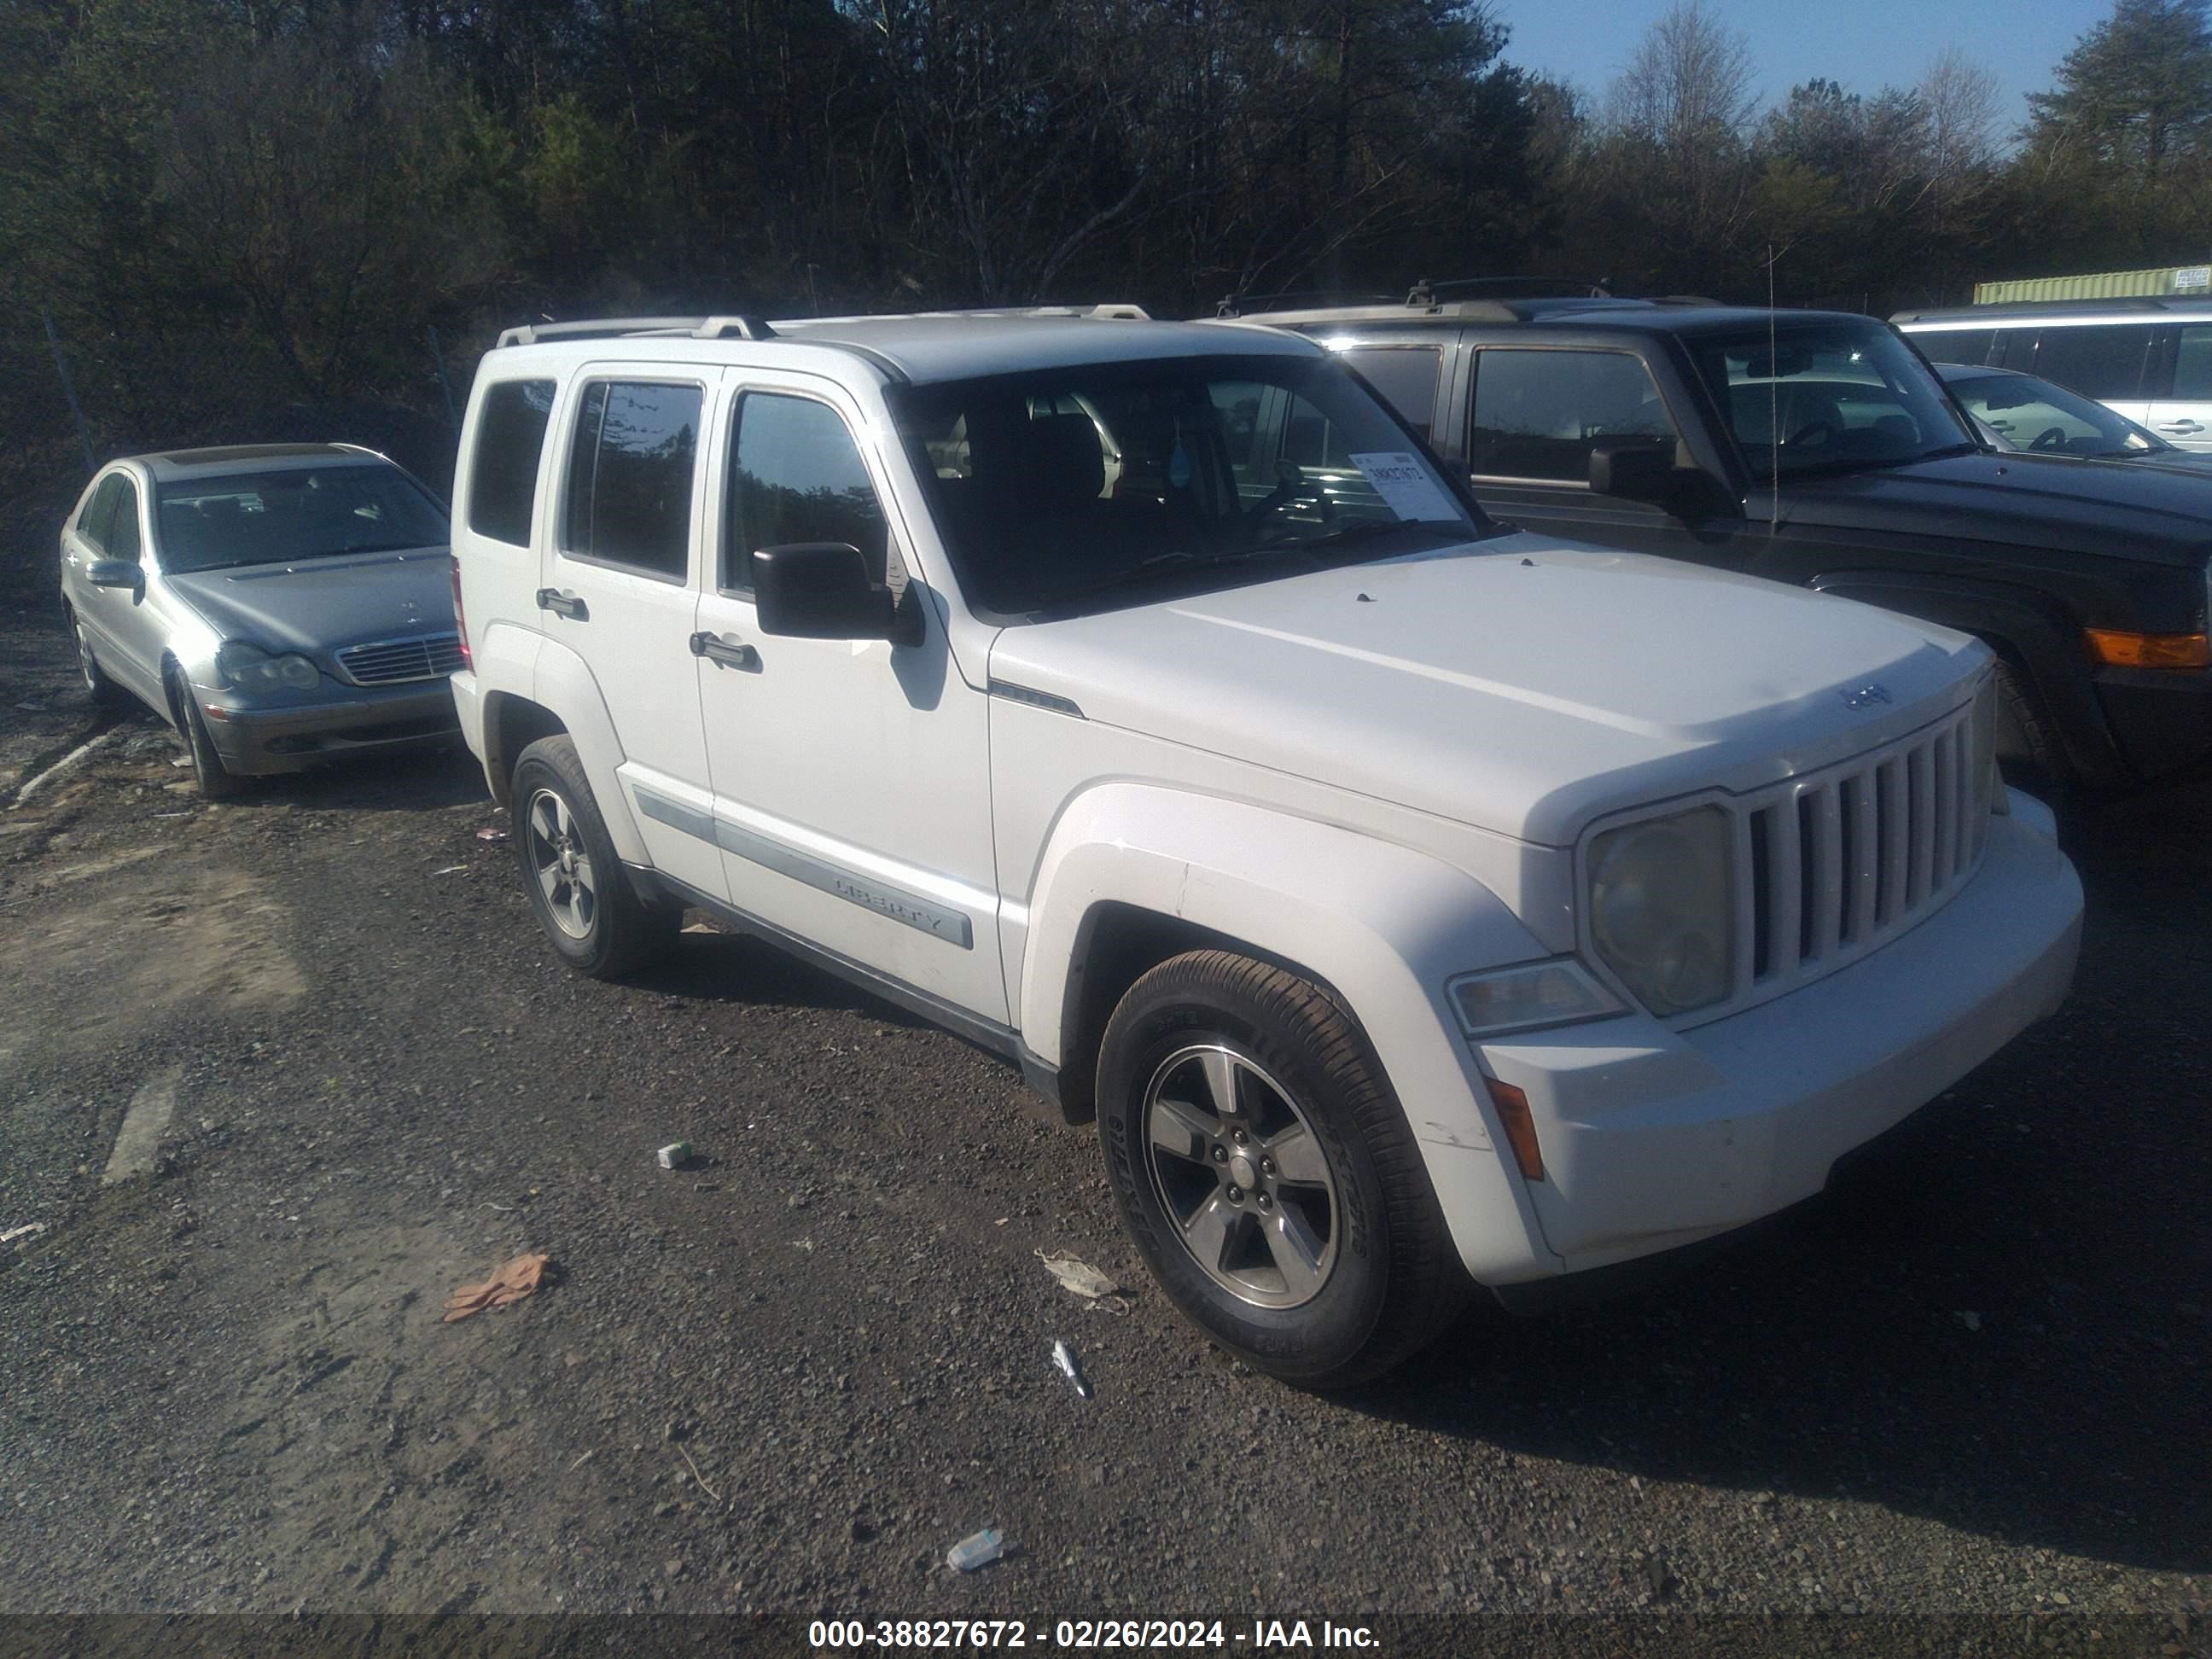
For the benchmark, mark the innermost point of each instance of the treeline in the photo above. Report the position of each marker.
(226, 204)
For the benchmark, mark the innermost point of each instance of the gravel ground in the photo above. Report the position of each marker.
(1971, 1379)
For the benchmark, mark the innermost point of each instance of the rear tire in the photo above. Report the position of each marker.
(215, 781)
(582, 896)
(1265, 1170)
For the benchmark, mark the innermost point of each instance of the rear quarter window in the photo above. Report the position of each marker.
(503, 473)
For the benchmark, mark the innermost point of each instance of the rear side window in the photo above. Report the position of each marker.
(1538, 413)
(1955, 345)
(629, 476)
(2097, 362)
(797, 476)
(1406, 378)
(503, 476)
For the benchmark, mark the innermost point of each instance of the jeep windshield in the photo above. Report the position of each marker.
(1089, 487)
(294, 514)
(1828, 398)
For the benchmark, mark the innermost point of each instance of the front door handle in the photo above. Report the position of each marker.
(2185, 428)
(714, 649)
(563, 605)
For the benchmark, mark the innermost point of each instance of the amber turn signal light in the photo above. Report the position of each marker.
(1519, 1127)
(2150, 650)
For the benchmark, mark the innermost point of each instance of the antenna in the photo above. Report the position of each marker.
(1774, 409)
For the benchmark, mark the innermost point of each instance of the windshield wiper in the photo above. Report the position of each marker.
(1359, 532)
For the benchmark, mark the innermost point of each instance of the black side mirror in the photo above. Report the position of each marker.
(115, 573)
(822, 591)
(1634, 472)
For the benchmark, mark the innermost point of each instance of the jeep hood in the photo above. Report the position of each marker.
(317, 605)
(2133, 509)
(1517, 685)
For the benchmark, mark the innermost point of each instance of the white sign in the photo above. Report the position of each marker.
(2193, 277)
(1405, 485)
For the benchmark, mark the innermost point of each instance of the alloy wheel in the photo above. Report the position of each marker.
(1242, 1175)
(562, 865)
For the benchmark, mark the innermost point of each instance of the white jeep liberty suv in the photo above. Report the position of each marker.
(1416, 904)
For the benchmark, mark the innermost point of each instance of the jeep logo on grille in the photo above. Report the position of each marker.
(1864, 696)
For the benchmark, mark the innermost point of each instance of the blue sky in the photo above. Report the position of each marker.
(1864, 43)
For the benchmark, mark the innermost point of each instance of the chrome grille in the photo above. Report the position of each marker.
(388, 662)
(1830, 866)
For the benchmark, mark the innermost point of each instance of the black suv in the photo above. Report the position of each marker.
(1662, 426)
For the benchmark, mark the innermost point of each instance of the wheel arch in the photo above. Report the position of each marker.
(1134, 874)
(2031, 631)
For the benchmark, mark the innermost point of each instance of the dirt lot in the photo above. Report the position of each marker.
(1973, 1378)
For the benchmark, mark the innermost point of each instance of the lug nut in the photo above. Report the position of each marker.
(1266, 1202)
(1242, 1137)
(1267, 1166)
(1221, 1155)
(1235, 1194)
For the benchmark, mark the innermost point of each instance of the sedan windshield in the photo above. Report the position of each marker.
(1086, 488)
(2032, 414)
(281, 517)
(1831, 396)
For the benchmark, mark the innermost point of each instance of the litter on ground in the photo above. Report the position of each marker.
(1064, 1357)
(976, 1550)
(510, 1282)
(1080, 1276)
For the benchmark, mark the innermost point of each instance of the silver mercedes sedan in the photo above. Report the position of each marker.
(280, 605)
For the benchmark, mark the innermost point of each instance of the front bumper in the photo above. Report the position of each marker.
(1654, 1139)
(256, 740)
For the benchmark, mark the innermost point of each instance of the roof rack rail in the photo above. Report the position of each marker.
(1233, 306)
(2052, 307)
(1425, 292)
(603, 328)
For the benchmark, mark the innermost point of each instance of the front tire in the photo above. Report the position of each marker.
(1266, 1172)
(596, 921)
(215, 781)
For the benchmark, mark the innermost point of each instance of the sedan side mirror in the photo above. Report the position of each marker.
(1634, 472)
(822, 591)
(115, 573)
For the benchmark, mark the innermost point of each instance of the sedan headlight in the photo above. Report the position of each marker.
(1662, 909)
(249, 668)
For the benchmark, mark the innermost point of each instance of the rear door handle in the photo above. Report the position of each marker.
(2183, 427)
(563, 605)
(716, 649)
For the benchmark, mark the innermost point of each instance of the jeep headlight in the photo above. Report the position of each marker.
(249, 668)
(1662, 909)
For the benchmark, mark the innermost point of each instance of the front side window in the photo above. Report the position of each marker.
(510, 441)
(797, 476)
(1832, 397)
(1540, 414)
(120, 533)
(300, 513)
(630, 469)
(92, 523)
(1085, 487)
(2192, 365)
(1406, 378)
(2096, 362)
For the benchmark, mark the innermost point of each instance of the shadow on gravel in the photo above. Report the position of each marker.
(735, 968)
(425, 780)
(1997, 1320)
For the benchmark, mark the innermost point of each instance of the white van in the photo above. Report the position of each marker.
(2150, 359)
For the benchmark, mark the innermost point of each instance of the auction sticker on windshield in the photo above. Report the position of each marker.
(1405, 485)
